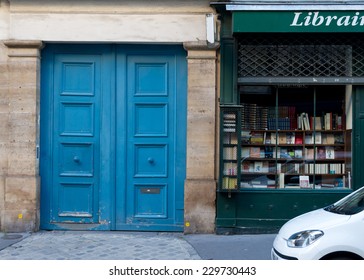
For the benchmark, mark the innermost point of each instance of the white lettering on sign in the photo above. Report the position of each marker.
(315, 19)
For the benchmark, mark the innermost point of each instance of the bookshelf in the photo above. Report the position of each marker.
(230, 119)
(282, 147)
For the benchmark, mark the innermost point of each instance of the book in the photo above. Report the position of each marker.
(317, 123)
(229, 183)
(306, 121)
(291, 152)
(281, 180)
(339, 123)
(320, 153)
(328, 139)
(230, 168)
(233, 139)
(247, 166)
(282, 138)
(245, 185)
(268, 152)
(327, 186)
(258, 166)
(298, 153)
(291, 186)
(308, 138)
(245, 137)
(273, 138)
(309, 153)
(299, 122)
(330, 153)
(339, 183)
(290, 138)
(255, 152)
(318, 138)
(339, 138)
(245, 152)
(298, 138)
(257, 138)
(276, 152)
(304, 182)
(328, 121)
(284, 153)
(267, 138)
(230, 153)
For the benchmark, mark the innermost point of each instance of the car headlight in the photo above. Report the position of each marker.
(304, 238)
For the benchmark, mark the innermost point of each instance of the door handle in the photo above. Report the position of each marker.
(151, 160)
(76, 159)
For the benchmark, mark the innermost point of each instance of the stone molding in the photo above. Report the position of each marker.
(201, 50)
(24, 48)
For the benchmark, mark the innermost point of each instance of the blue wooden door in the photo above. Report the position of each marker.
(113, 129)
(76, 89)
(151, 145)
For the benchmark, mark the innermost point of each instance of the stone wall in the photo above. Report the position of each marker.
(200, 186)
(21, 176)
(4, 107)
(109, 21)
(4, 115)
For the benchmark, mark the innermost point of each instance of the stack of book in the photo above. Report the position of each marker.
(229, 122)
(282, 117)
(254, 117)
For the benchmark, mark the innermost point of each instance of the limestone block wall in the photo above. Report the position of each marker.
(109, 21)
(4, 108)
(20, 177)
(4, 113)
(200, 186)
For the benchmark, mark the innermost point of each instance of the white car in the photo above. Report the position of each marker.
(333, 232)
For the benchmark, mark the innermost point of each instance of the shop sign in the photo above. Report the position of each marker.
(298, 21)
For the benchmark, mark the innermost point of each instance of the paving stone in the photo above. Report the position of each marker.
(55, 245)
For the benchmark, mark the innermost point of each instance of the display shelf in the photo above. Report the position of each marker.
(277, 147)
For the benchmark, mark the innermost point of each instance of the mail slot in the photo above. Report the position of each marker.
(150, 190)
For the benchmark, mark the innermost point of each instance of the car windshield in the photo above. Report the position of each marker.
(350, 205)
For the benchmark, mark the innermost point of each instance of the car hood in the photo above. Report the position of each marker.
(317, 219)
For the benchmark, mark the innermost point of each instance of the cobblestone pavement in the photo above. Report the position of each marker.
(75, 245)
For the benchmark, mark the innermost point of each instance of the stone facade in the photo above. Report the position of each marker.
(26, 27)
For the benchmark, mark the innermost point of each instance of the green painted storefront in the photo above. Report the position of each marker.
(262, 210)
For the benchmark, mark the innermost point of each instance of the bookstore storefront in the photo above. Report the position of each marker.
(291, 114)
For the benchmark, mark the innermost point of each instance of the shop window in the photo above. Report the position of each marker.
(287, 137)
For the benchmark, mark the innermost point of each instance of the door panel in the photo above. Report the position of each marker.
(152, 186)
(110, 147)
(76, 151)
(75, 113)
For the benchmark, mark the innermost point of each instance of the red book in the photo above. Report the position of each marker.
(299, 138)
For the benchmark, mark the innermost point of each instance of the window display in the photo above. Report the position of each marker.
(287, 137)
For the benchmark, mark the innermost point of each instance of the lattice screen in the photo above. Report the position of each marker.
(301, 56)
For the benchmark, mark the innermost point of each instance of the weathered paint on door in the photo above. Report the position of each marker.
(113, 137)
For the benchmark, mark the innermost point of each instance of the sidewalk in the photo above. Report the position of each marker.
(86, 245)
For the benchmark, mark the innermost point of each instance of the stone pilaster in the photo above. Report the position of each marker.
(200, 184)
(21, 180)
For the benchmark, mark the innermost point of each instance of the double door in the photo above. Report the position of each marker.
(113, 137)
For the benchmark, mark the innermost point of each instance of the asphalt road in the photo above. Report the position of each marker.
(232, 247)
